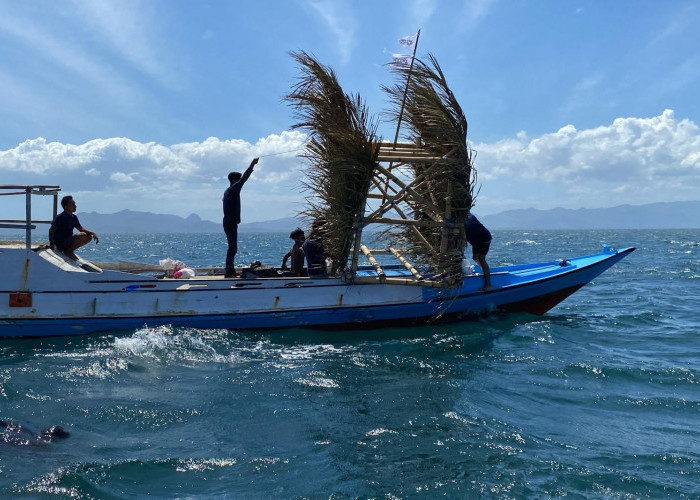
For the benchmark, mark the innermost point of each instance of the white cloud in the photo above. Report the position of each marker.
(633, 160)
(181, 179)
(121, 177)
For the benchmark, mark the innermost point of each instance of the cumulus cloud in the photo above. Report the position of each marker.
(632, 160)
(639, 160)
(122, 177)
(155, 177)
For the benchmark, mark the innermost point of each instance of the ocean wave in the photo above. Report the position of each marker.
(166, 343)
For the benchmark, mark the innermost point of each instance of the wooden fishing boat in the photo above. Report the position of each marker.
(424, 187)
(44, 293)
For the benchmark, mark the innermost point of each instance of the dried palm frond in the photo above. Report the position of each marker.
(435, 121)
(341, 154)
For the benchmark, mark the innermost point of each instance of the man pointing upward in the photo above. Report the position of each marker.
(232, 214)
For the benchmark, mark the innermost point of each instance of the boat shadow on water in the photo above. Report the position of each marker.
(477, 333)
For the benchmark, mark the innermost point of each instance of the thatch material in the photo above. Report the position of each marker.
(341, 154)
(436, 122)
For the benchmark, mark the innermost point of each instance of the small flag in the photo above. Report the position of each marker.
(401, 61)
(409, 41)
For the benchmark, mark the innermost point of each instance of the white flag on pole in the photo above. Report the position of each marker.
(401, 61)
(409, 41)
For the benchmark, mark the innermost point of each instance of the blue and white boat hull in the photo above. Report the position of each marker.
(46, 295)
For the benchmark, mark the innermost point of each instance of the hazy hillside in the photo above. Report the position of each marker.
(130, 221)
(652, 216)
(671, 215)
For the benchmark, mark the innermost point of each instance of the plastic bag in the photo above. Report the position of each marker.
(185, 273)
(171, 264)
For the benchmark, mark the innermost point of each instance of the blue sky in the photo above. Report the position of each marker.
(147, 105)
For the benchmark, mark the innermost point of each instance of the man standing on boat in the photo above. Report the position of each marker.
(61, 231)
(480, 239)
(232, 214)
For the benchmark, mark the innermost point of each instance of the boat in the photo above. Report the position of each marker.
(45, 293)
(421, 189)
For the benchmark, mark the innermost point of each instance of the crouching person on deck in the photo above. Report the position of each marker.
(314, 252)
(61, 234)
(296, 253)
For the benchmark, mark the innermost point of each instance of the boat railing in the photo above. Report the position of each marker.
(28, 223)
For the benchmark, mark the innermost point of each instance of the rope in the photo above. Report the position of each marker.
(281, 152)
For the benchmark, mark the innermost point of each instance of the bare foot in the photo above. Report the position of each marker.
(71, 255)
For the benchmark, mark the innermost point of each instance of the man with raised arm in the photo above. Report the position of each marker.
(232, 214)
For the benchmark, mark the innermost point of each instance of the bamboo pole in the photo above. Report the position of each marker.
(448, 215)
(418, 234)
(406, 263)
(404, 222)
(403, 101)
(405, 91)
(380, 272)
(399, 281)
(428, 204)
(357, 231)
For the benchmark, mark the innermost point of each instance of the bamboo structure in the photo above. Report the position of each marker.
(419, 191)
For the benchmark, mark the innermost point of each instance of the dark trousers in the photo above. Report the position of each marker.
(231, 231)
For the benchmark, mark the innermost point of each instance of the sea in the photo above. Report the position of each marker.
(598, 398)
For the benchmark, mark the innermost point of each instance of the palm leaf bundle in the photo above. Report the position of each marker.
(435, 122)
(341, 154)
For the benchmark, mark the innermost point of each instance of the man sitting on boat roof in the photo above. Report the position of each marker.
(61, 232)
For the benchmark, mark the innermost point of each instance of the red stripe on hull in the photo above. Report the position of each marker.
(541, 304)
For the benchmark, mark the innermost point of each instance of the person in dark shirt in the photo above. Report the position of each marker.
(232, 214)
(314, 252)
(296, 253)
(61, 235)
(480, 239)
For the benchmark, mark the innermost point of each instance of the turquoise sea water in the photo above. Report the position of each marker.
(599, 398)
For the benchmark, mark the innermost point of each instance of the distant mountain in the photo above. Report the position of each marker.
(670, 215)
(130, 221)
(665, 215)
(284, 225)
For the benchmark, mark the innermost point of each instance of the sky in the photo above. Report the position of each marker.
(147, 105)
